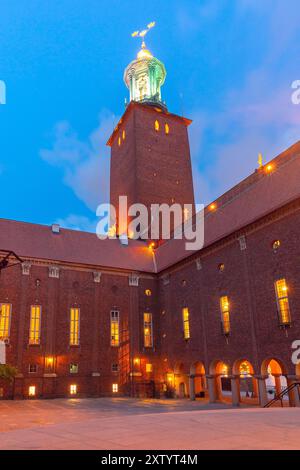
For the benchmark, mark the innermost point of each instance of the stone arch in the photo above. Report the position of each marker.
(181, 384)
(244, 383)
(275, 372)
(220, 388)
(197, 382)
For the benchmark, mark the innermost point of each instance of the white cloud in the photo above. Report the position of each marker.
(78, 222)
(85, 164)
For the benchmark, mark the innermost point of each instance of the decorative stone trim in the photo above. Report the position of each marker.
(166, 279)
(26, 268)
(134, 280)
(97, 276)
(54, 271)
(243, 243)
(198, 264)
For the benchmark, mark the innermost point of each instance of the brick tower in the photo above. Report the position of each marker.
(150, 154)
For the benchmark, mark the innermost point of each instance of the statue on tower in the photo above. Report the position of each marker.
(145, 75)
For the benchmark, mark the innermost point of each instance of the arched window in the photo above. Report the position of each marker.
(167, 128)
(124, 135)
(119, 141)
(156, 125)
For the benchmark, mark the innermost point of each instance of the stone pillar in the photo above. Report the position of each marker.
(262, 389)
(211, 385)
(255, 388)
(277, 378)
(294, 395)
(192, 387)
(235, 390)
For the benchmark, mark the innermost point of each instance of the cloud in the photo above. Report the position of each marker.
(85, 163)
(78, 222)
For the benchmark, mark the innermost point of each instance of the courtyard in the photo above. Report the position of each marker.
(126, 424)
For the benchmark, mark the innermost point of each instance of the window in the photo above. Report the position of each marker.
(73, 389)
(225, 314)
(32, 391)
(156, 125)
(283, 302)
(148, 341)
(221, 267)
(276, 245)
(149, 368)
(167, 129)
(148, 292)
(119, 141)
(5, 317)
(115, 388)
(114, 327)
(74, 326)
(35, 324)
(186, 323)
(73, 368)
(124, 135)
(32, 368)
(115, 367)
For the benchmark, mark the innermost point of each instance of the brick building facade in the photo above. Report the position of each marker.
(84, 317)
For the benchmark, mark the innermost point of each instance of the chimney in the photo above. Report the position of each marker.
(55, 228)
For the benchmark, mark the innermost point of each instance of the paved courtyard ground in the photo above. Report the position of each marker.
(120, 423)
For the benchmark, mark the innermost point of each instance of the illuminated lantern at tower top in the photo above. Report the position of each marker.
(145, 75)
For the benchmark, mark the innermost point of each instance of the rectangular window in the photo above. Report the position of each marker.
(5, 317)
(32, 369)
(32, 391)
(283, 302)
(148, 337)
(35, 324)
(186, 323)
(225, 314)
(73, 368)
(74, 326)
(115, 388)
(115, 367)
(149, 368)
(73, 389)
(114, 327)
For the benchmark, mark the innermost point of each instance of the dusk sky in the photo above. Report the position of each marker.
(230, 65)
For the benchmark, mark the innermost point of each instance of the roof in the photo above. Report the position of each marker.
(253, 198)
(70, 246)
(261, 193)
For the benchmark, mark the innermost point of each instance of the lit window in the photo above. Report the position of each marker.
(5, 317)
(114, 327)
(32, 368)
(73, 368)
(167, 129)
(115, 367)
(186, 323)
(276, 245)
(119, 141)
(245, 369)
(32, 391)
(148, 292)
(156, 125)
(73, 389)
(124, 135)
(115, 388)
(35, 324)
(221, 267)
(148, 341)
(74, 326)
(283, 302)
(149, 368)
(225, 315)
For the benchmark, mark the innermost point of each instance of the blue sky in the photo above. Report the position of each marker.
(230, 67)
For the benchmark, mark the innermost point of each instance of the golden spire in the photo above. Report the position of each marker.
(144, 53)
(260, 160)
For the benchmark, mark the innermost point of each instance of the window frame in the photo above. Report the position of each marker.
(186, 323)
(35, 342)
(7, 337)
(148, 324)
(226, 323)
(72, 334)
(113, 335)
(279, 299)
